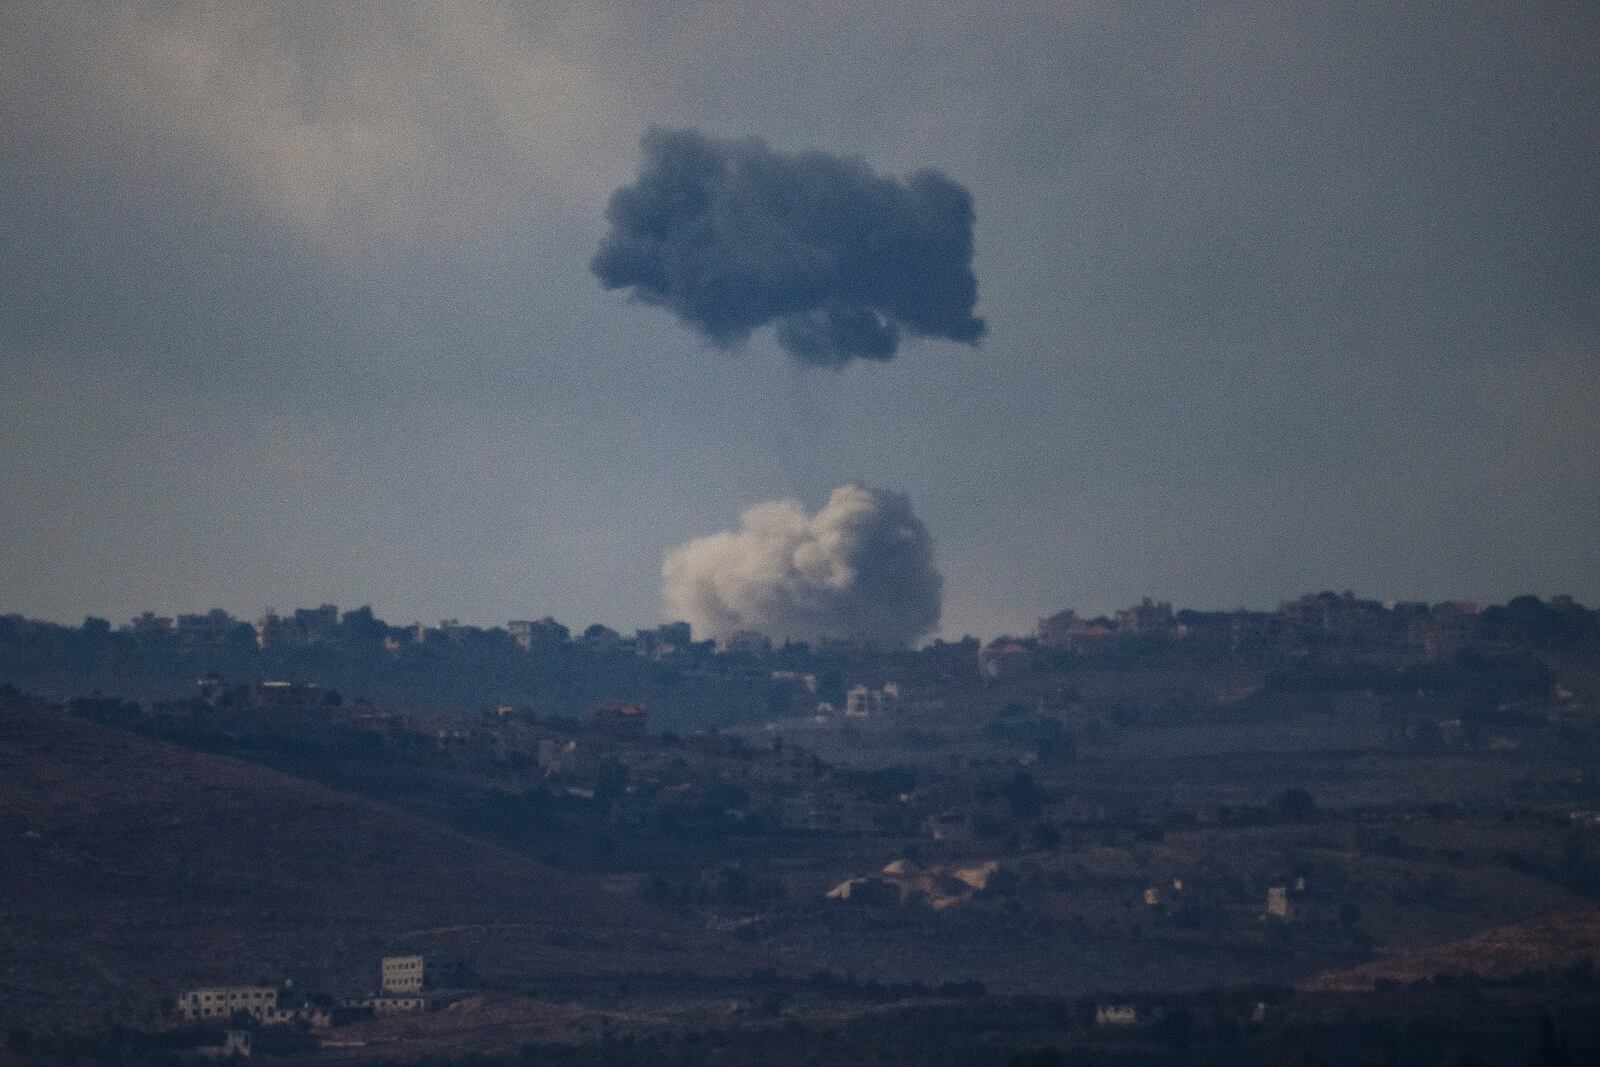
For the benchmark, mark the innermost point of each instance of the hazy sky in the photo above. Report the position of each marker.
(295, 303)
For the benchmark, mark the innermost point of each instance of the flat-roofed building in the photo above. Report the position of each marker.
(220, 1002)
(618, 718)
(403, 974)
(1278, 903)
(1116, 1015)
(861, 702)
(398, 1004)
(1145, 618)
(529, 634)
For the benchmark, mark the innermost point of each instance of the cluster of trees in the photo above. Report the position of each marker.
(726, 885)
(1488, 678)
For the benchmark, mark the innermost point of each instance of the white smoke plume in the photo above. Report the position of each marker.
(861, 568)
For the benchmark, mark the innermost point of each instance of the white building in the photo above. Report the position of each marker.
(398, 1005)
(1278, 905)
(862, 702)
(402, 974)
(221, 1002)
(1115, 1015)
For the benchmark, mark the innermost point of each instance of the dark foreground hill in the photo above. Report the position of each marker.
(131, 868)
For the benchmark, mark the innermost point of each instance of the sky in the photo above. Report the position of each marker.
(295, 303)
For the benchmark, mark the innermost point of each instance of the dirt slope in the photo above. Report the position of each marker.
(1545, 944)
(130, 868)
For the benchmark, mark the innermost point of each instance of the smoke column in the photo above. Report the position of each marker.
(732, 235)
(860, 568)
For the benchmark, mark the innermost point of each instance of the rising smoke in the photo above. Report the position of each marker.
(732, 235)
(861, 568)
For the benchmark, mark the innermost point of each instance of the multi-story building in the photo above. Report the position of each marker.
(1055, 632)
(214, 627)
(221, 1002)
(664, 640)
(1278, 904)
(1146, 618)
(862, 702)
(751, 642)
(529, 634)
(403, 974)
(1446, 629)
(307, 626)
(1065, 629)
(260, 1003)
(1339, 617)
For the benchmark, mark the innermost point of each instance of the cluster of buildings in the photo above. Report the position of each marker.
(904, 881)
(1291, 901)
(264, 695)
(307, 626)
(1321, 621)
(863, 701)
(1125, 1014)
(1313, 619)
(258, 1002)
(403, 986)
(325, 626)
(1067, 630)
(746, 669)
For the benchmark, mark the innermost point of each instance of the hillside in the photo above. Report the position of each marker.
(130, 868)
(1544, 944)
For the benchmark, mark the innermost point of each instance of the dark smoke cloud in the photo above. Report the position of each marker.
(860, 568)
(732, 235)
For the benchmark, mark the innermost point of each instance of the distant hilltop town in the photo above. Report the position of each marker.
(314, 655)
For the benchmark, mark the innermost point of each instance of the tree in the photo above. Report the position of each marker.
(610, 779)
(1045, 837)
(1552, 1049)
(1295, 804)
(361, 625)
(1022, 793)
(1175, 1028)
